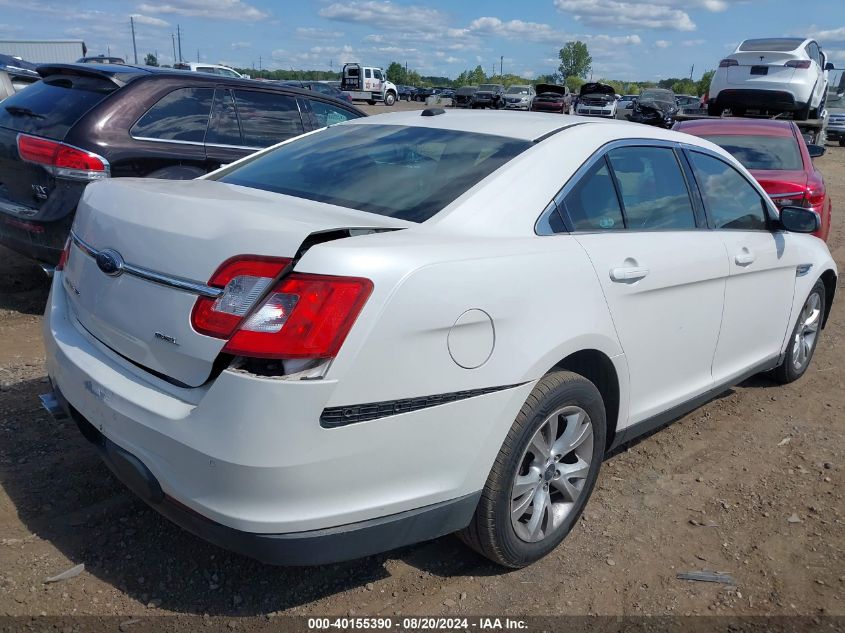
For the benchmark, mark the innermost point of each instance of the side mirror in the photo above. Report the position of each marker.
(816, 150)
(829, 66)
(799, 220)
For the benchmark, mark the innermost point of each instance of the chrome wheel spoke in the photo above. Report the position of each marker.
(578, 470)
(525, 483)
(538, 513)
(578, 429)
(539, 446)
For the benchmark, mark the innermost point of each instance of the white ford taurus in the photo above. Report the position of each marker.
(419, 323)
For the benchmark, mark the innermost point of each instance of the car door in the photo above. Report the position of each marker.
(662, 271)
(761, 281)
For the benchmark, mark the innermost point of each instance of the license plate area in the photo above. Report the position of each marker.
(759, 70)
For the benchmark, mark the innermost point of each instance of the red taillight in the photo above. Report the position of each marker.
(725, 63)
(815, 197)
(63, 257)
(798, 63)
(303, 316)
(62, 160)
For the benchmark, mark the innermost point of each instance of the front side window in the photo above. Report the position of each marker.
(181, 115)
(368, 74)
(410, 173)
(224, 128)
(731, 201)
(327, 114)
(267, 118)
(652, 187)
(592, 204)
(377, 74)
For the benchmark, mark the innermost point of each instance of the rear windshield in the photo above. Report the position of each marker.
(772, 44)
(762, 152)
(488, 87)
(50, 107)
(409, 173)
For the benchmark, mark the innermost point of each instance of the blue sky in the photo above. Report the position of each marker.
(628, 39)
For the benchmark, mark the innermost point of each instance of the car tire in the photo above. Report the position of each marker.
(389, 99)
(842, 142)
(714, 109)
(371, 102)
(802, 114)
(529, 451)
(177, 172)
(805, 337)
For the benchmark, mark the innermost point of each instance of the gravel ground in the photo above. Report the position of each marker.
(749, 484)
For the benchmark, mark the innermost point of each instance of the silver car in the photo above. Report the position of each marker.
(519, 97)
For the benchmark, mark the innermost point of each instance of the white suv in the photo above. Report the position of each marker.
(774, 75)
(417, 323)
(213, 69)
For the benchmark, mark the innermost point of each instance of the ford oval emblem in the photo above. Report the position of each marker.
(110, 262)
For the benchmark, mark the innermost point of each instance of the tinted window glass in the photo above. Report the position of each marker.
(323, 89)
(181, 115)
(206, 69)
(267, 118)
(377, 74)
(730, 199)
(762, 152)
(327, 114)
(224, 129)
(592, 204)
(367, 74)
(653, 190)
(50, 107)
(404, 172)
(772, 44)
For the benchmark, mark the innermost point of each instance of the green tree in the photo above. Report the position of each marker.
(704, 83)
(573, 83)
(477, 76)
(685, 87)
(396, 73)
(575, 60)
(150, 60)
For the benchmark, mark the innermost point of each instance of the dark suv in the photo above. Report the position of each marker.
(86, 122)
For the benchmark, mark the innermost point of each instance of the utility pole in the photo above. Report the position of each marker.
(179, 40)
(691, 70)
(260, 60)
(198, 56)
(134, 47)
(501, 65)
(173, 38)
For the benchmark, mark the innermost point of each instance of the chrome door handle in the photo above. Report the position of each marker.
(744, 258)
(628, 273)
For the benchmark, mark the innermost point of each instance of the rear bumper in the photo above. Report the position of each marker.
(42, 241)
(313, 547)
(755, 98)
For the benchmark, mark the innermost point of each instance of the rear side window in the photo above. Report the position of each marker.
(653, 190)
(592, 204)
(409, 173)
(181, 115)
(762, 152)
(327, 114)
(267, 118)
(731, 201)
(50, 107)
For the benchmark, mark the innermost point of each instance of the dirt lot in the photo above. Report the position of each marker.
(750, 484)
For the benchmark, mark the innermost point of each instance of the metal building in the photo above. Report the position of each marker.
(45, 51)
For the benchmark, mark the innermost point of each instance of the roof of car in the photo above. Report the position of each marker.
(525, 126)
(757, 127)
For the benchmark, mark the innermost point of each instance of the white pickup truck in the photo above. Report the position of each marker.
(367, 83)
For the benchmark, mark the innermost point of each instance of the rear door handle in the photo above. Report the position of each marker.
(628, 273)
(744, 257)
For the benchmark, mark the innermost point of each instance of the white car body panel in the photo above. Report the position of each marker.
(248, 452)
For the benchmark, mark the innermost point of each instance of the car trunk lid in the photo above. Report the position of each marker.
(182, 231)
(762, 66)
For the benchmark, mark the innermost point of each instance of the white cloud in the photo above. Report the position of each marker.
(385, 14)
(613, 13)
(237, 46)
(214, 9)
(663, 43)
(313, 33)
(149, 20)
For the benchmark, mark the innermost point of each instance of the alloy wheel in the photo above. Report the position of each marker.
(806, 332)
(552, 473)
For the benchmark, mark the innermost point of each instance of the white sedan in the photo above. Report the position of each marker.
(419, 323)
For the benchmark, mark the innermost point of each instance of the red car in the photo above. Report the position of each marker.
(776, 155)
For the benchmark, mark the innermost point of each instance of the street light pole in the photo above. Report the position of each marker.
(501, 65)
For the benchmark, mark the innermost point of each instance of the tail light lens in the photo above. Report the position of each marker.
(303, 316)
(725, 63)
(815, 197)
(63, 257)
(798, 63)
(61, 160)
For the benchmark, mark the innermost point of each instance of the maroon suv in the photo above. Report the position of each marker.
(85, 122)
